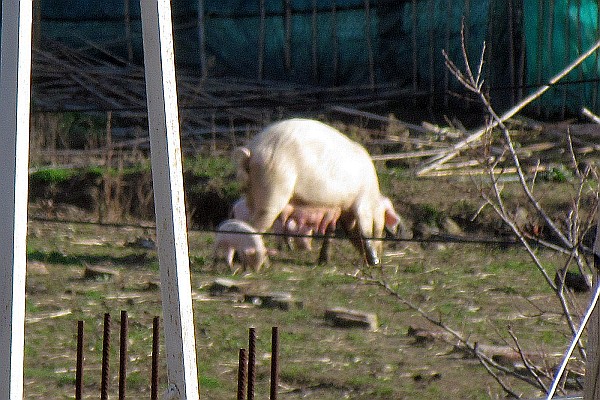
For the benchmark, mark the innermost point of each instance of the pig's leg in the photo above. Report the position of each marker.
(215, 261)
(249, 259)
(268, 198)
(370, 248)
(324, 252)
(229, 258)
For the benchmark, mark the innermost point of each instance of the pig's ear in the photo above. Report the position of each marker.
(241, 158)
(392, 219)
(250, 251)
(272, 252)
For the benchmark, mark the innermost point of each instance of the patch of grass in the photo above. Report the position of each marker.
(52, 176)
(429, 214)
(94, 295)
(414, 268)
(210, 382)
(210, 167)
(53, 257)
(57, 257)
(137, 380)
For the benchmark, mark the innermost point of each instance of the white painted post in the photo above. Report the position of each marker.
(591, 384)
(169, 198)
(15, 84)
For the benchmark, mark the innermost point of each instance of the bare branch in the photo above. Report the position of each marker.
(455, 150)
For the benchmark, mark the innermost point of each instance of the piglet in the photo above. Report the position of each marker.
(282, 226)
(238, 236)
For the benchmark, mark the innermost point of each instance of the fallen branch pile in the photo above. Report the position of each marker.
(67, 79)
(218, 113)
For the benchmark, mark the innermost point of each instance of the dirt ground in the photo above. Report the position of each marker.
(485, 292)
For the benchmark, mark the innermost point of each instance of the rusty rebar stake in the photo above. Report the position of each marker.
(79, 366)
(123, 355)
(274, 362)
(155, 347)
(251, 362)
(105, 358)
(242, 374)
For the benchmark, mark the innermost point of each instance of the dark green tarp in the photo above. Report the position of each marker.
(556, 33)
(344, 42)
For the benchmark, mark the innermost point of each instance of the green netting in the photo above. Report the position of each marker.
(327, 42)
(555, 34)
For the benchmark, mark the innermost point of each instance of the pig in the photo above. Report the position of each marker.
(295, 219)
(247, 243)
(302, 161)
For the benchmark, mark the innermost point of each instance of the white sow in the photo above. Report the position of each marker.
(301, 161)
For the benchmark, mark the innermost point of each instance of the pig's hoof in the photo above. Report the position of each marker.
(373, 261)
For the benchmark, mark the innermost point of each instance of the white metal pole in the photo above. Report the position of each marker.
(15, 82)
(169, 198)
(591, 383)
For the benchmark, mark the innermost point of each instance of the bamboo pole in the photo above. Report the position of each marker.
(334, 38)
(261, 40)
(415, 64)
(369, 43)
(202, 40)
(287, 47)
(314, 42)
(567, 54)
(431, 58)
(511, 47)
(455, 150)
(447, 47)
(127, 16)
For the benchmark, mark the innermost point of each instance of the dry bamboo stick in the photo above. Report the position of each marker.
(92, 90)
(375, 117)
(478, 171)
(408, 154)
(593, 117)
(453, 152)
